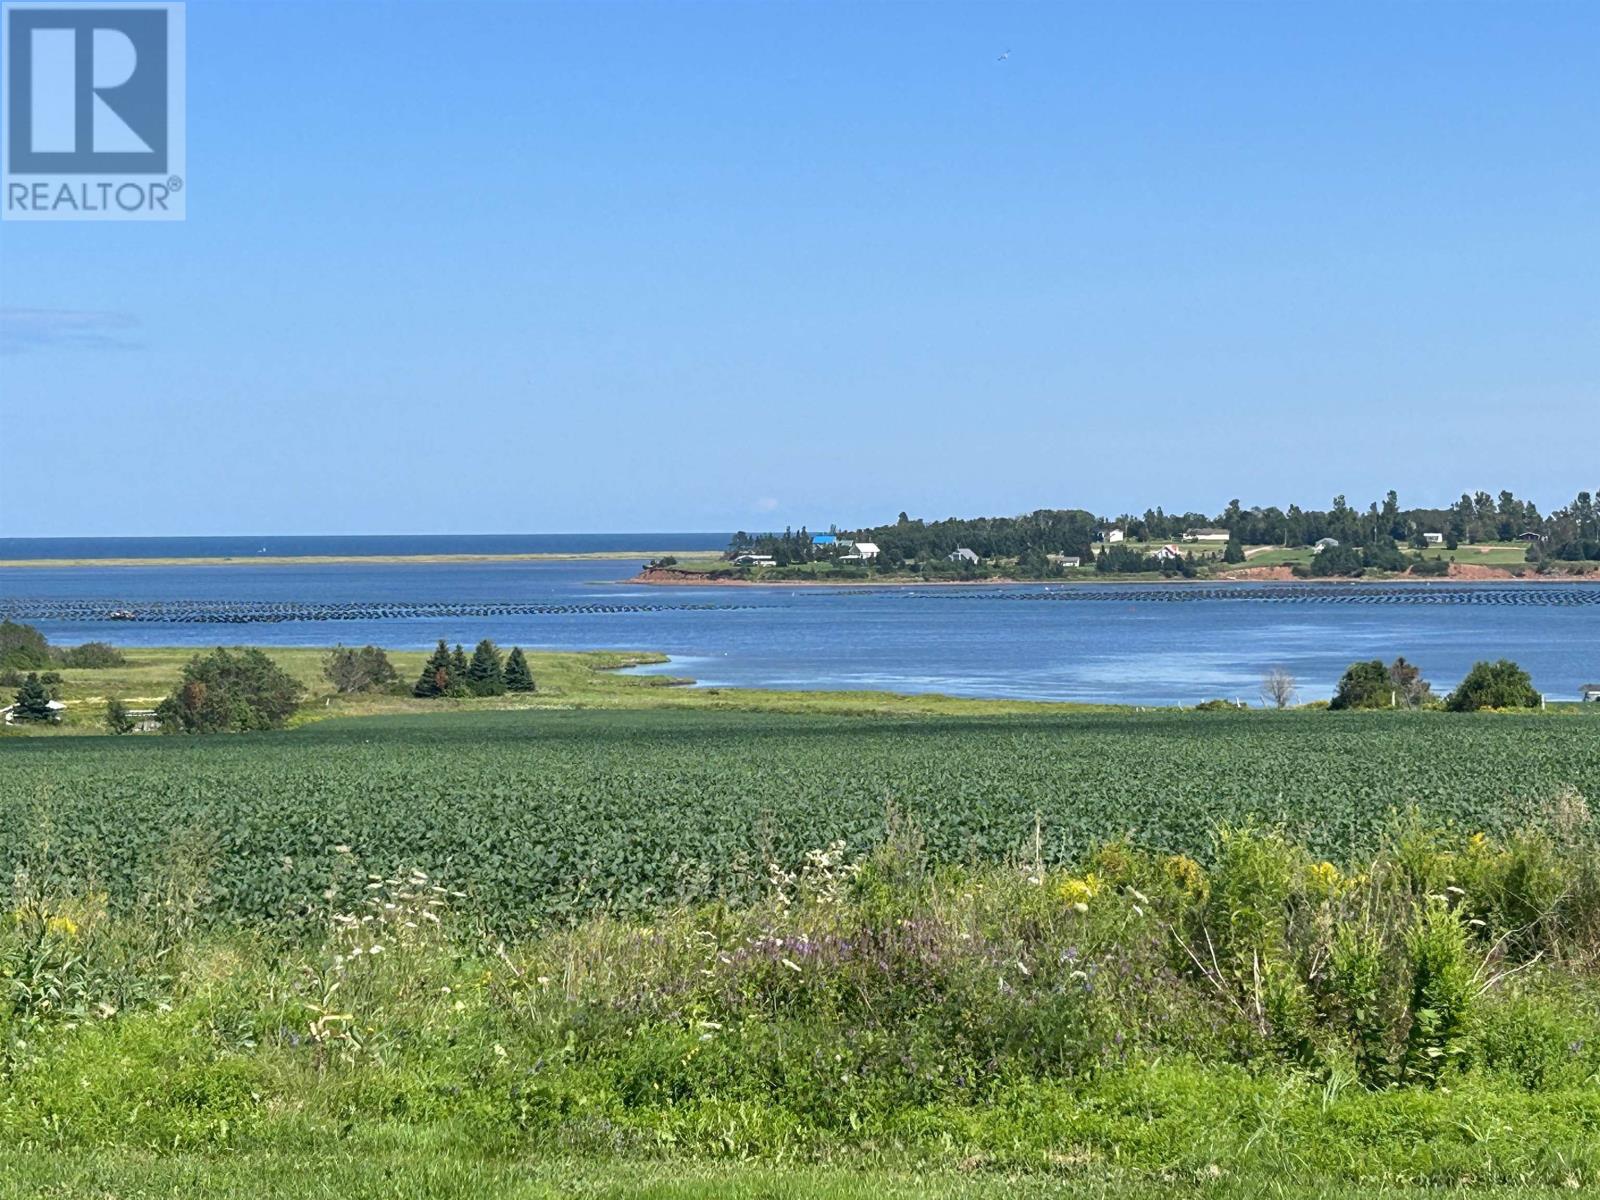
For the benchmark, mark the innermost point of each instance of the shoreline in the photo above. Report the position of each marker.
(315, 560)
(1476, 575)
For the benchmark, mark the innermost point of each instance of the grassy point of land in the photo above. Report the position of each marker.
(566, 679)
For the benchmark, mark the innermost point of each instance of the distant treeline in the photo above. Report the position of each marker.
(1570, 533)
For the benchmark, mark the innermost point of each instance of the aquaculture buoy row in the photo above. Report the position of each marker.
(255, 612)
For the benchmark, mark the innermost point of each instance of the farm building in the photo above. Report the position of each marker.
(867, 551)
(1591, 693)
(825, 539)
(1324, 544)
(754, 560)
(1169, 552)
(1112, 535)
(962, 554)
(1433, 539)
(1206, 535)
(1064, 560)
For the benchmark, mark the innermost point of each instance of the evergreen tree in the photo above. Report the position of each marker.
(459, 666)
(33, 700)
(519, 677)
(117, 718)
(1233, 552)
(436, 678)
(485, 675)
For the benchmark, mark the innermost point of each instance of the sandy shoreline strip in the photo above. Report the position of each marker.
(314, 560)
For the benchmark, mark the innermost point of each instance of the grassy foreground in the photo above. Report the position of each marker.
(421, 1175)
(874, 1025)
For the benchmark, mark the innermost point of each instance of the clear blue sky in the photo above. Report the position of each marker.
(459, 267)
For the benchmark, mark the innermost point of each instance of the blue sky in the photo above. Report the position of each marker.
(525, 267)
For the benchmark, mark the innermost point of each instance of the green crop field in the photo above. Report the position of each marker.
(543, 815)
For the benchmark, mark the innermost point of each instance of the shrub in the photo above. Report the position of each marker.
(22, 647)
(1441, 992)
(1358, 971)
(1500, 684)
(1364, 685)
(229, 692)
(352, 670)
(117, 718)
(91, 656)
(1337, 560)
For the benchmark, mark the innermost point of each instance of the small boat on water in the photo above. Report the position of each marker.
(122, 614)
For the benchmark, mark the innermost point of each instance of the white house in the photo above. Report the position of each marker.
(1591, 693)
(1206, 535)
(754, 560)
(1433, 539)
(867, 550)
(1324, 544)
(1112, 535)
(1169, 552)
(1064, 560)
(962, 554)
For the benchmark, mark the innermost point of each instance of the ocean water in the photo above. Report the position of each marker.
(363, 545)
(1137, 644)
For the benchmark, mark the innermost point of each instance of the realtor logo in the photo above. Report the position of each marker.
(93, 127)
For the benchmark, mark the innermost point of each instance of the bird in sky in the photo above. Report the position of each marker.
(1004, 56)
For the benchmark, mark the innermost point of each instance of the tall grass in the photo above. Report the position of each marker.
(1428, 1014)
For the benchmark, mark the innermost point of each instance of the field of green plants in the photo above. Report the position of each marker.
(545, 816)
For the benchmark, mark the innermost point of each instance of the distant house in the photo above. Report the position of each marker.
(57, 711)
(1112, 535)
(1591, 693)
(1063, 560)
(1324, 544)
(754, 560)
(962, 554)
(1433, 539)
(1169, 552)
(144, 720)
(867, 551)
(825, 539)
(1531, 536)
(1207, 535)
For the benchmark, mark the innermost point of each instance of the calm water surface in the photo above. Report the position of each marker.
(1148, 644)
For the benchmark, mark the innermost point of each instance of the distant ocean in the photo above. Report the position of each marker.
(356, 545)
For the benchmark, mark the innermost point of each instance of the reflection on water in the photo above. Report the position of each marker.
(1158, 645)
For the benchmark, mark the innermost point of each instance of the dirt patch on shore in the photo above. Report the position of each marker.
(1461, 570)
(1260, 573)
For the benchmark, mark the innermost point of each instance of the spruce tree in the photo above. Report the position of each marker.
(33, 699)
(435, 679)
(459, 666)
(485, 675)
(519, 677)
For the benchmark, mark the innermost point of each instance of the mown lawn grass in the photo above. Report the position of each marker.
(422, 1174)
